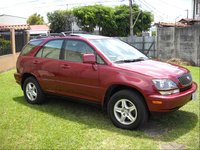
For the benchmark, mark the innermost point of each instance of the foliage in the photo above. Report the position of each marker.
(5, 46)
(122, 20)
(112, 21)
(60, 20)
(153, 33)
(143, 23)
(35, 19)
(85, 18)
(109, 21)
(100, 16)
(63, 124)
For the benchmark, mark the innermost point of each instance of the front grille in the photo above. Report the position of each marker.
(185, 79)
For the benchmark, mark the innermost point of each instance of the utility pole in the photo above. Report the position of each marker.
(187, 12)
(131, 17)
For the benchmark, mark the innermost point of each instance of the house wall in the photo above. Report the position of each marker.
(181, 43)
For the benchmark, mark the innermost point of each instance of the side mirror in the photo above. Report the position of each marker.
(89, 58)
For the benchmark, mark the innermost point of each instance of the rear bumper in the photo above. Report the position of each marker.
(171, 102)
(18, 78)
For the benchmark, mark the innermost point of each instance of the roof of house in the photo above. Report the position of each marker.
(166, 24)
(39, 27)
(188, 20)
(16, 27)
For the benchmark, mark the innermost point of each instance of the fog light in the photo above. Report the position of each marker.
(169, 92)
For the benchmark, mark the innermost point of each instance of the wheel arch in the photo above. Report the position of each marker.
(117, 87)
(25, 76)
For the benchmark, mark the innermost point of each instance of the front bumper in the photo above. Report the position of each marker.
(170, 102)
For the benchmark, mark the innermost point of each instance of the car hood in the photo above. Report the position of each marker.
(153, 68)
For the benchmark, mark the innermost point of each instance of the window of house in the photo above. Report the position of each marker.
(51, 49)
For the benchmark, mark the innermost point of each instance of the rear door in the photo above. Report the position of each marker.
(47, 62)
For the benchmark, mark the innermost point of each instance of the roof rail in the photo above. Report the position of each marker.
(65, 33)
(72, 33)
(50, 35)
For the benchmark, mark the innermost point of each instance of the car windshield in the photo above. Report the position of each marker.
(118, 51)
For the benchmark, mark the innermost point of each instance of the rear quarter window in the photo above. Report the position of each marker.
(30, 46)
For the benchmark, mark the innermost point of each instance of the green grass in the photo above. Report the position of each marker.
(62, 124)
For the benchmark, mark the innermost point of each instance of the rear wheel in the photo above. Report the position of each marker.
(127, 110)
(32, 91)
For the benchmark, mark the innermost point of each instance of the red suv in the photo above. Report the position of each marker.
(105, 71)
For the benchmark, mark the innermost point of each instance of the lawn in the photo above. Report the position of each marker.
(62, 124)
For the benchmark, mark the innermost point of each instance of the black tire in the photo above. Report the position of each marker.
(127, 110)
(32, 91)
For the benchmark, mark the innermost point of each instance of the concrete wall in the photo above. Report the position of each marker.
(181, 43)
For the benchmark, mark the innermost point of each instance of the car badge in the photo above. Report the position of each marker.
(188, 77)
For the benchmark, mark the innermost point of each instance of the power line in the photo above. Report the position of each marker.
(152, 10)
(164, 2)
(64, 3)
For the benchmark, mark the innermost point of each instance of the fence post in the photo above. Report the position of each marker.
(143, 43)
(12, 37)
(27, 36)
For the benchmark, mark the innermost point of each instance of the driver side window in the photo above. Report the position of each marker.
(74, 49)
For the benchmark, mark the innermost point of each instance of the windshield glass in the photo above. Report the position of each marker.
(118, 51)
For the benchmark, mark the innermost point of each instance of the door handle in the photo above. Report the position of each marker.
(65, 66)
(35, 61)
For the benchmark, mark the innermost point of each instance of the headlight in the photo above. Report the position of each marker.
(165, 86)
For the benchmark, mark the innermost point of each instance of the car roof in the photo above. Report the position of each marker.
(89, 36)
(73, 36)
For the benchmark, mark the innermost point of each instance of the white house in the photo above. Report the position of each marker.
(39, 30)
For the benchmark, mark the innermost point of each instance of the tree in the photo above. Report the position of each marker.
(105, 20)
(60, 20)
(35, 19)
(85, 18)
(142, 20)
(112, 21)
(122, 20)
(90, 17)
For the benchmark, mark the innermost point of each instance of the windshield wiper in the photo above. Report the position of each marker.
(130, 60)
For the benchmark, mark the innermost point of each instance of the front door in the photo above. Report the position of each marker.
(78, 79)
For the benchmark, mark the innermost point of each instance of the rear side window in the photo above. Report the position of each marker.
(30, 46)
(51, 49)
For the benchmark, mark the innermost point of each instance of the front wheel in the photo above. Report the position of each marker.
(127, 110)
(32, 91)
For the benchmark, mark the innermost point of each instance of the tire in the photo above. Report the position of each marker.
(32, 91)
(127, 110)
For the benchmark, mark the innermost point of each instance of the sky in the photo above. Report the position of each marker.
(163, 10)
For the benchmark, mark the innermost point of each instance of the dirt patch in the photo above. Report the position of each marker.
(152, 129)
(179, 61)
(172, 146)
